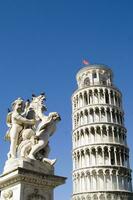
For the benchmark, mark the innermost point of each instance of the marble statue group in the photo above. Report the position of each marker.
(30, 129)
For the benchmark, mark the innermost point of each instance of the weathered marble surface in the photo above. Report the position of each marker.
(28, 184)
(30, 129)
(34, 165)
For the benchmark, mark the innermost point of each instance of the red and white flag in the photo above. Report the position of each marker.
(85, 62)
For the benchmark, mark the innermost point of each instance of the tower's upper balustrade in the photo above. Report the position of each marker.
(94, 74)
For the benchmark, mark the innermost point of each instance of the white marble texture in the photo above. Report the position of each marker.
(101, 169)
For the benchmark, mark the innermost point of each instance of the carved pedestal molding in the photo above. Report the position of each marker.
(28, 184)
(101, 169)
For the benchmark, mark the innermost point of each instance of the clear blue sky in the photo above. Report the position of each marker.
(42, 45)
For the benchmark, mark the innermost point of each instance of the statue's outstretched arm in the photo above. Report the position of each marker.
(23, 120)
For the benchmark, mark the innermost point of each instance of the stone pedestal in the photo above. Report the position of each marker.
(28, 180)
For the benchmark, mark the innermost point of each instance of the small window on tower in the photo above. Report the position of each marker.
(94, 75)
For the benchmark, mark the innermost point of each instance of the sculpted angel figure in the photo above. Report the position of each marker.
(30, 129)
(16, 122)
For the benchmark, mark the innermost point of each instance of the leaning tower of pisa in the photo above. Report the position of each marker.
(101, 169)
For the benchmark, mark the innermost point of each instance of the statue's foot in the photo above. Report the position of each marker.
(31, 157)
(9, 155)
(51, 162)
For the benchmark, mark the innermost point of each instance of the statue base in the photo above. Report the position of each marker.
(28, 180)
(30, 164)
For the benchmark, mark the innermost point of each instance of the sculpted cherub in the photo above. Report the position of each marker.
(16, 122)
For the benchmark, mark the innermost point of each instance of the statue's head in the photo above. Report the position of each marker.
(55, 116)
(18, 105)
(40, 97)
(38, 101)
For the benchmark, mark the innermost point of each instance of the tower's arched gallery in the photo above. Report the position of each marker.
(101, 169)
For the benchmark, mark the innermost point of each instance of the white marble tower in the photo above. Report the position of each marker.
(101, 169)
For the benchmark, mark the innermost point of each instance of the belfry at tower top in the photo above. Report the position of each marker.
(94, 74)
(94, 67)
